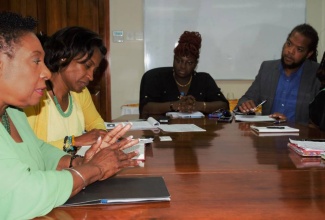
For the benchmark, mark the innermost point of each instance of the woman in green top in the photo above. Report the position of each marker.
(35, 176)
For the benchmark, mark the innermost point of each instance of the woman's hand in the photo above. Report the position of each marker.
(111, 138)
(109, 157)
(89, 138)
(187, 104)
(103, 159)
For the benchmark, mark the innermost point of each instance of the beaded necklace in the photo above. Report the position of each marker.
(5, 121)
(188, 83)
(58, 106)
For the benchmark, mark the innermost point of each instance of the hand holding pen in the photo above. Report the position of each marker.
(249, 106)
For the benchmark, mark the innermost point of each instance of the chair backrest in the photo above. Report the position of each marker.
(145, 79)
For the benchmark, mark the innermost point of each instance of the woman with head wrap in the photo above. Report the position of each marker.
(181, 88)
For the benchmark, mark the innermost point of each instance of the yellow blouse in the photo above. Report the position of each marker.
(39, 118)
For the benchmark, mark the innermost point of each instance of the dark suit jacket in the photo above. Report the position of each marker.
(317, 110)
(266, 82)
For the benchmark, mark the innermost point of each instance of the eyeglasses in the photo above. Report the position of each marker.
(220, 113)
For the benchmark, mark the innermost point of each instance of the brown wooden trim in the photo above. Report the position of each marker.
(107, 76)
(53, 15)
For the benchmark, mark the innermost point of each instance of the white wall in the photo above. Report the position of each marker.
(127, 58)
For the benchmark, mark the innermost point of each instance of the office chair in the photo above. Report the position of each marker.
(145, 79)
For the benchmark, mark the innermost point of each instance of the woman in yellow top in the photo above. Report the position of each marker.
(66, 115)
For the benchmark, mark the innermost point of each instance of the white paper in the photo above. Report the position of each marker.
(309, 145)
(180, 128)
(253, 118)
(165, 138)
(185, 115)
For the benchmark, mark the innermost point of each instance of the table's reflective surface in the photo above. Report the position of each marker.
(227, 172)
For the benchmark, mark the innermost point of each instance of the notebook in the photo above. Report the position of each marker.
(274, 129)
(119, 190)
(307, 148)
(304, 162)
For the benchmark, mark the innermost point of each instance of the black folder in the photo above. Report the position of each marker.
(117, 190)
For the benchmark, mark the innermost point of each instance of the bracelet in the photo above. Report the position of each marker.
(79, 174)
(72, 158)
(73, 142)
(68, 146)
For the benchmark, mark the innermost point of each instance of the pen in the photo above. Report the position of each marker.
(262, 103)
(275, 127)
(253, 110)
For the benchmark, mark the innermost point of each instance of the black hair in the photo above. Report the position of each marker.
(68, 44)
(12, 27)
(309, 32)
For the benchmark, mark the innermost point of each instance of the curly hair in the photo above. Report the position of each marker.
(68, 44)
(189, 44)
(310, 33)
(12, 27)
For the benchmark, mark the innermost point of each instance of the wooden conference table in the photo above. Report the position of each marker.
(227, 172)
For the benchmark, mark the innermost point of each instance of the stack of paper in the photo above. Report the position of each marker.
(322, 155)
(307, 148)
(303, 162)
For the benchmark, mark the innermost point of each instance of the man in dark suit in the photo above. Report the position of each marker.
(288, 85)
